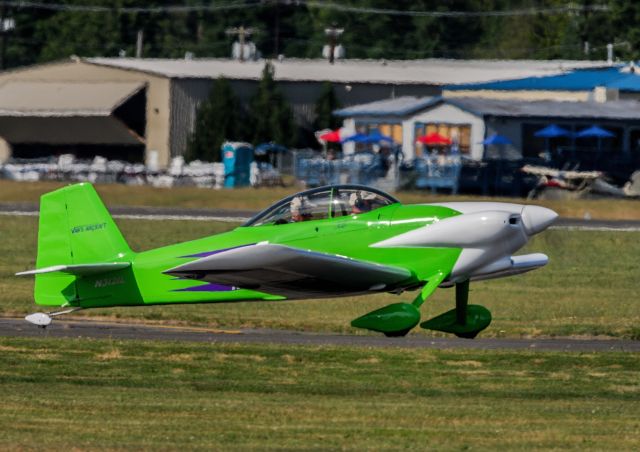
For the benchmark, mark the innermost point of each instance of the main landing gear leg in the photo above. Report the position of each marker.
(466, 320)
(462, 300)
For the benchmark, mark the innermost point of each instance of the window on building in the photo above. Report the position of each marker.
(393, 130)
(457, 133)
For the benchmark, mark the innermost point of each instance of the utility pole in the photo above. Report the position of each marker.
(333, 33)
(242, 33)
(276, 34)
(139, 39)
(3, 44)
(7, 24)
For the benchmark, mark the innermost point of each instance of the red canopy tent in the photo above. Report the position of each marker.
(434, 139)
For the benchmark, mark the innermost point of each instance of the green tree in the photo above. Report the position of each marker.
(325, 105)
(271, 117)
(625, 15)
(68, 33)
(219, 118)
(298, 29)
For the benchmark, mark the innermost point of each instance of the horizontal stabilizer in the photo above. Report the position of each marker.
(79, 269)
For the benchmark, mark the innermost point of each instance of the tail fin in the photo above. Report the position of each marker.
(76, 236)
(76, 228)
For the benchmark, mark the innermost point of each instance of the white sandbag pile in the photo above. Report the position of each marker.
(67, 168)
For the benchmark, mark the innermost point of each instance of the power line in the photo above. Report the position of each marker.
(129, 9)
(570, 8)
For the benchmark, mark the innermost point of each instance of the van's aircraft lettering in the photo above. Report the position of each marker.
(88, 227)
(333, 241)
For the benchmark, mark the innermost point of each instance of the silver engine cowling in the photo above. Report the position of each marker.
(488, 233)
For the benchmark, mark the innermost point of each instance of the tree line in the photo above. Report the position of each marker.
(296, 29)
(267, 118)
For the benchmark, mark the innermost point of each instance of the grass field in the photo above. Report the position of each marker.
(85, 394)
(257, 199)
(78, 394)
(589, 288)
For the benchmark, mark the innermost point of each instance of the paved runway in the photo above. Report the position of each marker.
(238, 216)
(13, 327)
(60, 328)
(146, 213)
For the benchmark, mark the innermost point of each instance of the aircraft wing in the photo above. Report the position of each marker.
(292, 272)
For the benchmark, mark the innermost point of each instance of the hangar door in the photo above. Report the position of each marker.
(41, 118)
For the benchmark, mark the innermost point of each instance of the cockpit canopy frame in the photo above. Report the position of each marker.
(329, 201)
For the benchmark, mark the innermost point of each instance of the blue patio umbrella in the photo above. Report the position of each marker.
(357, 138)
(552, 131)
(595, 132)
(496, 139)
(372, 138)
(377, 137)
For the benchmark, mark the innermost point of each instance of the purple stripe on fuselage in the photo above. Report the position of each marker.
(211, 253)
(211, 287)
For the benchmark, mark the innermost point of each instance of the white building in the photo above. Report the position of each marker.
(470, 120)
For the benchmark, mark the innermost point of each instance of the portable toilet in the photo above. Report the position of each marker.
(237, 158)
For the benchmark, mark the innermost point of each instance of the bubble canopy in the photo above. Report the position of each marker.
(331, 201)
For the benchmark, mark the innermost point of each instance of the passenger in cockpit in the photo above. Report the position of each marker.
(361, 201)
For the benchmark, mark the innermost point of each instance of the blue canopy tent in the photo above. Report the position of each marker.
(265, 148)
(269, 152)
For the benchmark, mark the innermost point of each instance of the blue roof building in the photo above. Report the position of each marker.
(599, 84)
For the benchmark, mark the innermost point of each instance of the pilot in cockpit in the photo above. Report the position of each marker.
(361, 201)
(300, 209)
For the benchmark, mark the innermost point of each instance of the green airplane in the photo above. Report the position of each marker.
(332, 241)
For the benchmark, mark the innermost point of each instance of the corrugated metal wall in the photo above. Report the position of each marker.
(186, 95)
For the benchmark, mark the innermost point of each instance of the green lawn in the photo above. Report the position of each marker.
(99, 394)
(589, 288)
(257, 199)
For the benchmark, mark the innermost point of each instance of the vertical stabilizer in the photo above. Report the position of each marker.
(75, 228)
